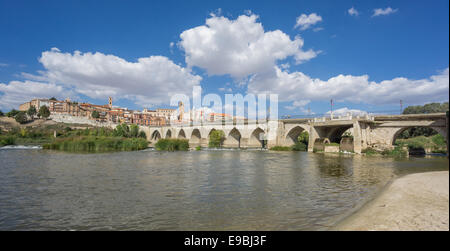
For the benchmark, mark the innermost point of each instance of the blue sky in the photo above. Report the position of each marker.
(401, 53)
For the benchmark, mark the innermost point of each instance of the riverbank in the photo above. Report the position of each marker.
(413, 202)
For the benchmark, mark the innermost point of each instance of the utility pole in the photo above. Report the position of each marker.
(401, 106)
(331, 103)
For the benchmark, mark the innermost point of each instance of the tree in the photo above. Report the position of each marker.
(31, 111)
(303, 137)
(122, 130)
(12, 113)
(142, 135)
(216, 138)
(44, 112)
(134, 131)
(21, 117)
(53, 98)
(95, 114)
(1, 113)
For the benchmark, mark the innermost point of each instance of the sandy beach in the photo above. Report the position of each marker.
(413, 202)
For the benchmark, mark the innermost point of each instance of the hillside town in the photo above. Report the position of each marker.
(116, 114)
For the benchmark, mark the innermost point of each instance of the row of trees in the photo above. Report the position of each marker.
(25, 116)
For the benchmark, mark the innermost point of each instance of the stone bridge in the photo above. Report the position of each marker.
(368, 131)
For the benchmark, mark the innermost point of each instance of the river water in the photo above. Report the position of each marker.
(196, 190)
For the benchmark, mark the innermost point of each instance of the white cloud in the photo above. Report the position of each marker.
(318, 29)
(353, 12)
(239, 47)
(18, 92)
(305, 21)
(3, 65)
(345, 111)
(298, 105)
(297, 86)
(383, 12)
(149, 81)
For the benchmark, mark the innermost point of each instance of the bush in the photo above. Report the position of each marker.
(97, 144)
(95, 114)
(12, 113)
(21, 117)
(299, 146)
(198, 148)
(304, 137)
(172, 145)
(397, 152)
(142, 135)
(216, 139)
(7, 140)
(280, 148)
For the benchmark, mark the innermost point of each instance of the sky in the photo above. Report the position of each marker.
(365, 55)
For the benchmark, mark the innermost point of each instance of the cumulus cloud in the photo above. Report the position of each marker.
(148, 81)
(305, 21)
(17, 92)
(297, 86)
(239, 47)
(383, 12)
(353, 12)
(346, 111)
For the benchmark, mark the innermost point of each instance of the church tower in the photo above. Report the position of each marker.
(180, 111)
(110, 102)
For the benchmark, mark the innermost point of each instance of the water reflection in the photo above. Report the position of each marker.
(198, 190)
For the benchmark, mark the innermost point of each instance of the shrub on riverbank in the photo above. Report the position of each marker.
(280, 148)
(216, 139)
(7, 140)
(435, 143)
(97, 144)
(172, 145)
(299, 146)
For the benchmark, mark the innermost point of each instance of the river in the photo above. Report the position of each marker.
(195, 190)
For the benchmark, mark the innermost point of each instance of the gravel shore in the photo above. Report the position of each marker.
(413, 202)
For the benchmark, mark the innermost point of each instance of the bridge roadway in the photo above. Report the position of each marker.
(377, 132)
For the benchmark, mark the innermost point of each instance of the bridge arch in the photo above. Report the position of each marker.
(292, 135)
(156, 135)
(195, 137)
(430, 132)
(169, 134)
(255, 139)
(181, 134)
(233, 139)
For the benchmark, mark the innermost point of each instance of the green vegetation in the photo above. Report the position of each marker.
(21, 117)
(427, 108)
(280, 148)
(1, 113)
(52, 98)
(332, 144)
(97, 144)
(95, 114)
(216, 139)
(435, 143)
(79, 140)
(299, 146)
(12, 113)
(198, 148)
(303, 137)
(396, 152)
(31, 111)
(172, 145)
(370, 151)
(44, 112)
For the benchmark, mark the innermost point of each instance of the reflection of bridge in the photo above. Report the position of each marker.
(376, 131)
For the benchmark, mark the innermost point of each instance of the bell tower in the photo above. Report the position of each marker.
(110, 102)
(180, 111)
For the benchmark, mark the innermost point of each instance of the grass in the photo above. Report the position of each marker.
(97, 144)
(332, 144)
(172, 145)
(299, 146)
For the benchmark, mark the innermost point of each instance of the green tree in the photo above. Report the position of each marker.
(122, 130)
(303, 137)
(21, 117)
(134, 131)
(31, 111)
(95, 114)
(142, 135)
(12, 113)
(44, 112)
(216, 138)
(1, 113)
(53, 98)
